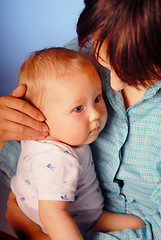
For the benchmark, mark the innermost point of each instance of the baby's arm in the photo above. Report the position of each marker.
(57, 221)
(110, 221)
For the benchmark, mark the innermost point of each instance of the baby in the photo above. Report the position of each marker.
(56, 180)
(56, 184)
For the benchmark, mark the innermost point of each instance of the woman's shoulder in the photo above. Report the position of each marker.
(73, 45)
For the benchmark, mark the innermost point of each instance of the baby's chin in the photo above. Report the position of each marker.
(49, 137)
(91, 138)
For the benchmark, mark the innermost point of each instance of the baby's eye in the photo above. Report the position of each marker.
(97, 99)
(78, 109)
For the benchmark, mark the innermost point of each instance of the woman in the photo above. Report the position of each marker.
(126, 39)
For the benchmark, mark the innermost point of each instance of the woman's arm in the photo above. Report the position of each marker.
(57, 221)
(22, 225)
(110, 221)
(27, 229)
(19, 120)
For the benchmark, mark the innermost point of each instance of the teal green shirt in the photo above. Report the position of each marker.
(127, 157)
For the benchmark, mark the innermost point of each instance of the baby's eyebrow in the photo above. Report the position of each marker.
(78, 101)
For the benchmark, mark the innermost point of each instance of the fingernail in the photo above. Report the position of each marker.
(44, 133)
(40, 118)
(45, 128)
(41, 137)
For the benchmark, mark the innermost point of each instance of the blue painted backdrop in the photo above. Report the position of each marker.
(29, 25)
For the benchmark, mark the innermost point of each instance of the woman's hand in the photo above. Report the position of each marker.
(19, 120)
(22, 225)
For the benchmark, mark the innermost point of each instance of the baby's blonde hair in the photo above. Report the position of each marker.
(46, 65)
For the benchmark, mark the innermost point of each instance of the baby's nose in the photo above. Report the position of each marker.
(94, 115)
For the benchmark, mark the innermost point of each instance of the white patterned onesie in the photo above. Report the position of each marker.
(49, 170)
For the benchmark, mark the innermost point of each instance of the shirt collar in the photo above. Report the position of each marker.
(152, 90)
(115, 97)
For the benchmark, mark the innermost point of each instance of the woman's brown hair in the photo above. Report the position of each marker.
(131, 30)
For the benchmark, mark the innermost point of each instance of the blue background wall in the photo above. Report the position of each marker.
(29, 25)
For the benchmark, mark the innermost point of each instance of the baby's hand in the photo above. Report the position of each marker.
(110, 221)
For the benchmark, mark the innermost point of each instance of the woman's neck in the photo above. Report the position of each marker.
(132, 95)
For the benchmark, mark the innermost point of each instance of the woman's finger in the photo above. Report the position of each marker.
(32, 135)
(22, 106)
(14, 121)
(19, 91)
